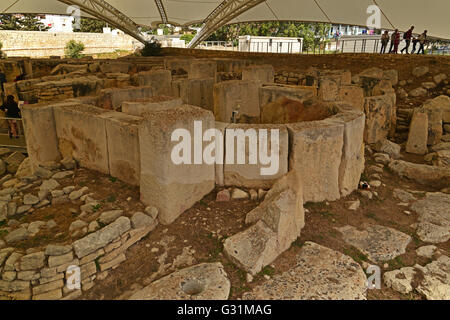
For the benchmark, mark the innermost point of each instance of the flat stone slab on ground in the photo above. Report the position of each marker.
(434, 217)
(206, 281)
(320, 274)
(379, 243)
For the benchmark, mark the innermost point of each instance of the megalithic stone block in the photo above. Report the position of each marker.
(166, 183)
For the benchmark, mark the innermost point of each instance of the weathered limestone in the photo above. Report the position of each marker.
(316, 150)
(159, 80)
(123, 146)
(379, 243)
(418, 133)
(434, 217)
(319, 273)
(380, 117)
(285, 104)
(279, 220)
(101, 238)
(235, 95)
(249, 174)
(354, 95)
(201, 93)
(328, 89)
(82, 135)
(352, 163)
(42, 145)
(141, 106)
(264, 73)
(170, 187)
(112, 99)
(202, 69)
(421, 173)
(206, 281)
(438, 110)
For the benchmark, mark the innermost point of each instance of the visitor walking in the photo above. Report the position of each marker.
(395, 39)
(422, 41)
(414, 42)
(407, 36)
(384, 42)
(13, 112)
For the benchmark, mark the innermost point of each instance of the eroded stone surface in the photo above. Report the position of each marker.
(207, 281)
(379, 243)
(434, 217)
(319, 274)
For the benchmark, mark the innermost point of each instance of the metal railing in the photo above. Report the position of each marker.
(329, 46)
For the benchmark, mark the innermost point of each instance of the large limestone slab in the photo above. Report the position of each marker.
(434, 217)
(287, 104)
(202, 69)
(251, 173)
(315, 152)
(438, 110)
(42, 145)
(236, 95)
(159, 80)
(352, 163)
(112, 99)
(219, 165)
(422, 173)
(141, 106)
(231, 65)
(354, 95)
(101, 238)
(206, 281)
(282, 210)
(166, 185)
(123, 146)
(436, 279)
(253, 248)
(82, 135)
(201, 93)
(319, 274)
(379, 243)
(380, 117)
(264, 73)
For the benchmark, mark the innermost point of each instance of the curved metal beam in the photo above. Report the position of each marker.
(225, 12)
(106, 12)
(162, 11)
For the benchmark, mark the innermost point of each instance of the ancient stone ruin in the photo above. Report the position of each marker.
(327, 129)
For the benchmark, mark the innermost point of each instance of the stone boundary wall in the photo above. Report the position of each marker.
(37, 44)
(43, 275)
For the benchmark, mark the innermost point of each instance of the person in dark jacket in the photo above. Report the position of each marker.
(407, 36)
(13, 112)
(415, 41)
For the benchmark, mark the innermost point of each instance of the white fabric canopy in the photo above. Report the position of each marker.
(432, 15)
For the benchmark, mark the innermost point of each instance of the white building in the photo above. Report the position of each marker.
(58, 23)
(270, 44)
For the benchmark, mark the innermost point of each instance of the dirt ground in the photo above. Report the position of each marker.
(202, 230)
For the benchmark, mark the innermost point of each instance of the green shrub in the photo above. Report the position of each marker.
(187, 37)
(73, 49)
(152, 48)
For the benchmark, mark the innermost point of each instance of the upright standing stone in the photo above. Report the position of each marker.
(264, 73)
(167, 181)
(418, 133)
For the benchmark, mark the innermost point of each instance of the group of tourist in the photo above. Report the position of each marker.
(408, 37)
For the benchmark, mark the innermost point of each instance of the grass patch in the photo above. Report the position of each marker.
(356, 255)
(111, 198)
(298, 243)
(396, 263)
(267, 270)
(96, 207)
(112, 179)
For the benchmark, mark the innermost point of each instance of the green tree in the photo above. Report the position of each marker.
(312, 33)
(91, 25)
(25, 22)
(74, 49)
